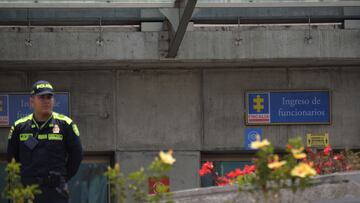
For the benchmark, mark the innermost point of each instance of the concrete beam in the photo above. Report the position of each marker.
(141, 49)
(69, 4)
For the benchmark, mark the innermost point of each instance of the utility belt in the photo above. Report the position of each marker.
(54, 179)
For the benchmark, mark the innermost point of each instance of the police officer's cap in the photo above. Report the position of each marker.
(42, 87)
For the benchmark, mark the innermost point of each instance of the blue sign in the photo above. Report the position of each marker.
(281, 107)
(4, 110)
(250, 136)
(18, 106)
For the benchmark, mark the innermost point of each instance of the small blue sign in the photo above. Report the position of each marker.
(250, 136)
(4, 110)
(282, 107)
(18, 106)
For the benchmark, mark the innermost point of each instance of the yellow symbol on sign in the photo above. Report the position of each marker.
(317, 140)
(1, 106)
(258, 103)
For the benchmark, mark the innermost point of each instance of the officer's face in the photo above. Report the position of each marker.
(42, 104)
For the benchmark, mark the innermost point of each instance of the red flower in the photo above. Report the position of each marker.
(235, 173)
(206, 168)
(222, 181)
(328, 164)
(337, 157)
(249, 169)
(289, 146)
(318, 170)
(327, 150)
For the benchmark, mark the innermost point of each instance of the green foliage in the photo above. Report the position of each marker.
(158, 170)
(14, 189)
(135, 182)
(117, 182)
(271, 179)
(245, 180)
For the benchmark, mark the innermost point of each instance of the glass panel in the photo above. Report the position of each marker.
(89, 184)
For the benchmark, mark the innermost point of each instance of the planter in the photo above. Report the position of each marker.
(335, 187)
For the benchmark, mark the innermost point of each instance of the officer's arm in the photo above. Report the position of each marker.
(74, 150)
(13, 145)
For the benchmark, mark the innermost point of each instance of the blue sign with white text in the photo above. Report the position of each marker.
(281, 107)
(250, 136)
(18, 106)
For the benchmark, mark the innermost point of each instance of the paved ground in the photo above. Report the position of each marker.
(346, 199)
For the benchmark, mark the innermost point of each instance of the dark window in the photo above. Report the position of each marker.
(223, 164)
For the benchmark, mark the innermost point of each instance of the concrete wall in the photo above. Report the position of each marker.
(137, 113)
(128, 99)
(224, 105)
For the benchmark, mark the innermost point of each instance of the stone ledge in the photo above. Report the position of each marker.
(335, 187)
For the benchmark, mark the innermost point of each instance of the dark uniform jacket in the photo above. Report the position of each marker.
(57, 146)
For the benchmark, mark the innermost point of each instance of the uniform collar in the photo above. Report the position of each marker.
(48, 123)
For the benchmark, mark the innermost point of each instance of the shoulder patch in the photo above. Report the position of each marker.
(75, 129)
(62, 118)
(23, 120)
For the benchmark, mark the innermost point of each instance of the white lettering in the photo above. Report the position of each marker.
(294, 102)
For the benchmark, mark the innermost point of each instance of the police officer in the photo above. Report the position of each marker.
(47, 145)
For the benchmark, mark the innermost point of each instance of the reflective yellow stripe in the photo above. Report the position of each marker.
(55, 136)
(11, 132)
(75, 129)
(62, 117)
(24, 119)
(42, 136)
(25, 136)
